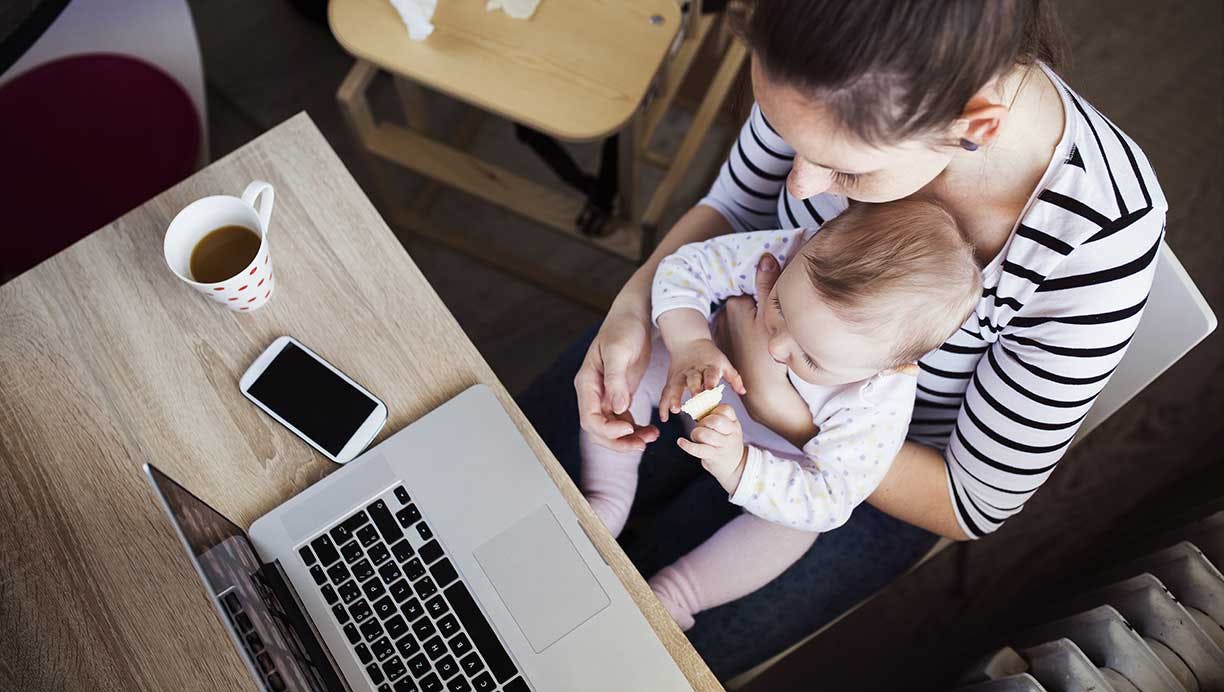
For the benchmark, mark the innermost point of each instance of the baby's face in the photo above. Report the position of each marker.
(809, 338)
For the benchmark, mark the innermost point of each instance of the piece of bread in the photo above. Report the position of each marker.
(701, 404)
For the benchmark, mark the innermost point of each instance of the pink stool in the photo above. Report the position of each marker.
(83, 139)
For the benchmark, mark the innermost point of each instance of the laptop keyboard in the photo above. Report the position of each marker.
(406, 614)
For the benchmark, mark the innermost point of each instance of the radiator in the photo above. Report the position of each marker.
(1154, 624)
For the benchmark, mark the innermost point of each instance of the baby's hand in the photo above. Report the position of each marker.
(697, 365)
(718, 440)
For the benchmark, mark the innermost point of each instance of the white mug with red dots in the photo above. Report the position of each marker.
(250, 288)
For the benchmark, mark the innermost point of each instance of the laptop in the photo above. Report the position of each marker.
(442, 560)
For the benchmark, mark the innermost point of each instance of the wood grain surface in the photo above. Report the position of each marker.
(577, 70)
(108, 362)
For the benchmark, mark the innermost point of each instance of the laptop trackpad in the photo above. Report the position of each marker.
(541, 578)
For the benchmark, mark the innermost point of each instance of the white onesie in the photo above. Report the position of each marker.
(861, 425)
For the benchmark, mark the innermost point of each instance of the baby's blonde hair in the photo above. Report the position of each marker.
(900, 270)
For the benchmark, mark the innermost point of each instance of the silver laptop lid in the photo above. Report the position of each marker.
(253, 600)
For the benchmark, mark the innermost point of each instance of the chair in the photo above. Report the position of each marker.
(1176, 319)
(159, 32)
(107, 101)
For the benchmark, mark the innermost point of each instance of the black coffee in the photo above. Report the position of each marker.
(222, 253)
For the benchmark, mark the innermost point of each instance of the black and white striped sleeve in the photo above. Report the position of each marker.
(748, 184)
(1034, 385)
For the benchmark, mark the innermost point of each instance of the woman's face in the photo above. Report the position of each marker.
(830, 159)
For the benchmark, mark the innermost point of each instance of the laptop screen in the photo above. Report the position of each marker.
(253, 600)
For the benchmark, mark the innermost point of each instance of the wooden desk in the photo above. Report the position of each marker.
(108, 362)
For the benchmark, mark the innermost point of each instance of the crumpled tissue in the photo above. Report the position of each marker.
(416, 15)
(519, 9)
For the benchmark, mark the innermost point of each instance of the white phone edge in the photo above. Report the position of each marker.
(365, 432)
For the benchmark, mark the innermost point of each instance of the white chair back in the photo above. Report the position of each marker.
(1175, 320)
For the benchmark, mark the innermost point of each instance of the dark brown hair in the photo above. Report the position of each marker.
(895, 69)
(900, 271)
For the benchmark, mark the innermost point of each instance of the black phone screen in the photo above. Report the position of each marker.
(312, 398)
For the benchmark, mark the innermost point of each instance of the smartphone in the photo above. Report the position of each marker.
(320, 404)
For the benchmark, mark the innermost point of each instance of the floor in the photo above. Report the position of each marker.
(1157, 69)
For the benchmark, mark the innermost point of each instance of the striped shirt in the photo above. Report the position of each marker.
(1004, 396)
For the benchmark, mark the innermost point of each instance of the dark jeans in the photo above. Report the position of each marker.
(678, 506)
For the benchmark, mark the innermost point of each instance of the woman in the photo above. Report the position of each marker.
(873, 101)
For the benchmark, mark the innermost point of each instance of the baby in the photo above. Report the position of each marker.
(858, 303)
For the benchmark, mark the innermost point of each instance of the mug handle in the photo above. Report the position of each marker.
(256, 190)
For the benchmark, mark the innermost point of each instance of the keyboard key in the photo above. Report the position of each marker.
(265, 662)
(425, 587)
(341, 614)
(448, 625)
(412, 610)
(338, 572)
(382, 648)
(329, 594)
(360, 611)
(378, 554)
(437, 606)
(446, 667)
(254, 641)
(276, 683)
(363, 653)
(367, 535)
(372, 629)
(349, 591)
(307, 554)
(471, 664)
(393, 668)
(318, 575)
(400, 590)
(431, 551)
(348, 527)
(423, 529)
(385, 607)
(444, 572)
(516, 685)
(389, 572)
(419, 665)
(244, 622)
(325, 549)
(373, 589)
(423, 628)
(232, 602)
(459, 684)
(384, 688)
(414, 569)
(408, 516)
(363, 570)
(351, 552)
(431, 683)
(484, 683)
(435, 647)
(408, 646)
(402, 495)
(390, 530)
(481, 633)
(375, 674)
(402, 550)
(406, 685)
(396, 626)
(461, 644)
(350, 631)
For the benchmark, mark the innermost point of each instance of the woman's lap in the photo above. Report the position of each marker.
(678, 506)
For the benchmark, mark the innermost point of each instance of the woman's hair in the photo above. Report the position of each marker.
(900, 271)
(891, 70)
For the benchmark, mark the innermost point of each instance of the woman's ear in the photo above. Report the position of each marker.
(981, 121)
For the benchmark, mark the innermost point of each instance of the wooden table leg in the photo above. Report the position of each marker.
(629, 168)
(412, 101)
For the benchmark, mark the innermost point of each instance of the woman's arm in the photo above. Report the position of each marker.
(915, 490)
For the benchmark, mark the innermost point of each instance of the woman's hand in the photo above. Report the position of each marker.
(609, 376)
(740, 332)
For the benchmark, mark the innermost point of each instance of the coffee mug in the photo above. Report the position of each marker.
(250, 288)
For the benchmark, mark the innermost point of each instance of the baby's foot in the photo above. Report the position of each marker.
(670, 588)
